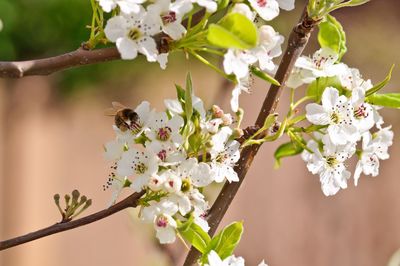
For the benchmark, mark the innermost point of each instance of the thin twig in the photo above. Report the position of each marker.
(131, 201)
(77, 58)
(296, 44)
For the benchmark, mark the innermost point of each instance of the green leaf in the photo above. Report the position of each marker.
(180, 94)
(286, 150)
(381, 84)
(262, 75)
(226, 241)
(332, 35)
(355, 2)
(233, 31)
(196, 236)
(188, 98)
(318, 86)
(391, 100)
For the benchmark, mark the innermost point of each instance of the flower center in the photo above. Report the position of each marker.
(134, 34)
(162, 155)
(361, 112)
(168, 17)
(335, 118)
(162, 221)
(261, 3)
(164, 133)
(186, 185)
(331, 161)
(140, 168)
(221, 157)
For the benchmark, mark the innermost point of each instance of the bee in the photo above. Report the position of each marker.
(124, 117)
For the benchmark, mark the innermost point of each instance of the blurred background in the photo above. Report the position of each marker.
(52, 130)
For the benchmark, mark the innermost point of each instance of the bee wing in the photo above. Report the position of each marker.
(118, 105)
(110, 111)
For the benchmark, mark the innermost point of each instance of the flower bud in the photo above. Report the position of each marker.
(243, 9)
(266, 34)
(237, 133)
(227, 119)
(217, 111)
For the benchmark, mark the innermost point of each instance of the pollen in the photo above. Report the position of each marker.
(134, 34)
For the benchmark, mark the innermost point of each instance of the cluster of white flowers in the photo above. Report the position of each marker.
(173, 159)
(237, 61)
(345, 119)
(138, 21)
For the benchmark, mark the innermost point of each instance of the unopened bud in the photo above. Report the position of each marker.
(217, 111)
(67, 198)
(83, 199)
(75, 194)
(237, 133)
(209, 144)
(227, 119)
(57, 198)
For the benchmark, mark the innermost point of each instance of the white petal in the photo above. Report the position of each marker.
(175, 30)
(166, 235)
(268, 11)
(115, 28)
(128, 8)
(316, 114)
(127, 48)
(286, 4)
(329, 97)
(148, 47)
(107, 5)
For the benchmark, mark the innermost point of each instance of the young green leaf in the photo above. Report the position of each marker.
(286, 150)
(196, 236)
(381, 84)
(355, 2)
(233, 31)
(180, 94)
(226, 241)
(391, 100)
(332, 35)
(188, 98)
(317, 87)
(262, 75)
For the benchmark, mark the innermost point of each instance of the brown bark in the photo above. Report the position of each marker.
(131, 201)
(296, 44)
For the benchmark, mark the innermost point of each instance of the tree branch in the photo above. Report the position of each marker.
(77, 58)
(296, 44)
(131, 201)
(47, 66)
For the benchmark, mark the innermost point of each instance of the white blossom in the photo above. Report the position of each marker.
(164, 130)
(322, 64)
(329, 164)
(169, 16)
(141, 164)
(268, 48)
(337, 113)
(365, 115)
(269, 9)
(160, 214)
(132, 34)
(374, 148)
(350, 78)
(225, 153)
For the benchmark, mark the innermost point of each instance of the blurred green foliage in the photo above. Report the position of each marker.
(36, 28)
(42, 28)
